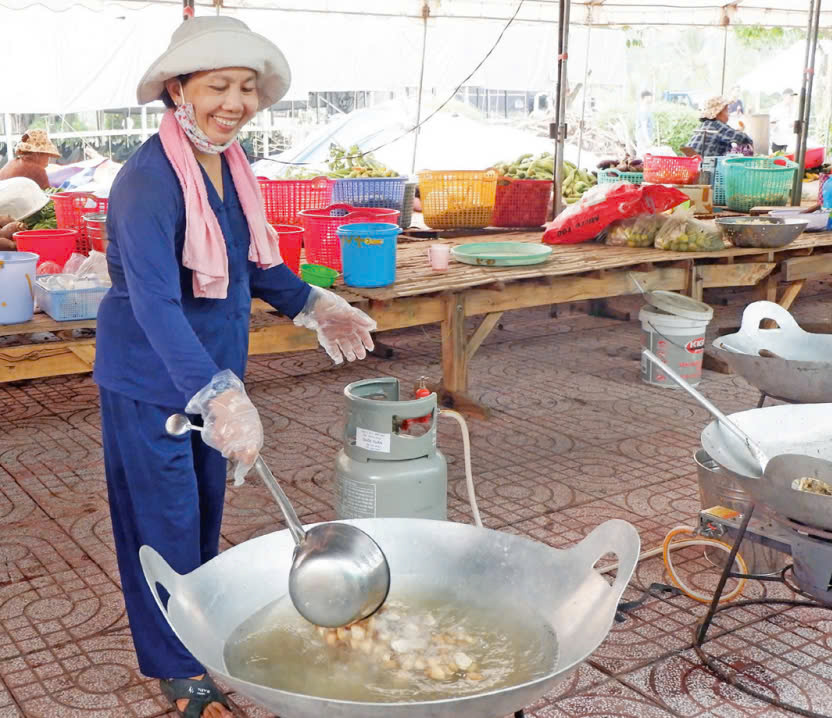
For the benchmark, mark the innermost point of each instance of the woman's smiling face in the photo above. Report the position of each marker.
(224, 100)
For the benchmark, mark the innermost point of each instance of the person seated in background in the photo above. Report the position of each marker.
(32, 155)
(713, 137)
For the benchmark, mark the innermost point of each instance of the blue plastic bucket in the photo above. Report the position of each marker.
(368, 253)
(17, 286)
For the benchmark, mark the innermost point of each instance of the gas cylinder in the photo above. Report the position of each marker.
(389, 466)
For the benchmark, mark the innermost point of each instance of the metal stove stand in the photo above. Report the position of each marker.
(702, 629)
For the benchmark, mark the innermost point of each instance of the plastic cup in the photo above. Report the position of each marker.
(439, 256)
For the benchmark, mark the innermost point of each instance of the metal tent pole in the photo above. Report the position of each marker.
(802, 125)
(557, 131)
(724, 59)
(425, 16)
(586, 87)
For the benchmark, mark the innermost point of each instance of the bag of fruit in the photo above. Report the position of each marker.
(602, 205)
(682, 233)
(634, 232)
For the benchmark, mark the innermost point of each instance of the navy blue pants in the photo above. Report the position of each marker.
(166, 492)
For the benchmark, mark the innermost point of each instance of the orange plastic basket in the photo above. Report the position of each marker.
(671, 170)
(458, 198)
(70, 207)
(284, 200)
(521, 203)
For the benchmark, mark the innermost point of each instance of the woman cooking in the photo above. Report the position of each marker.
(189, 248)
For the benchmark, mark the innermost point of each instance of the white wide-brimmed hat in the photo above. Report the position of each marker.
(211, 43)
(21, 197)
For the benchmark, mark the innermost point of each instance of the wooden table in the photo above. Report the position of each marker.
(420, 296)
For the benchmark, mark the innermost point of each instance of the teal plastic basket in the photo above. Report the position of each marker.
(757, 181)
(610, 176)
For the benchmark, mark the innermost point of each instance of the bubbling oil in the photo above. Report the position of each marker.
(276, 647)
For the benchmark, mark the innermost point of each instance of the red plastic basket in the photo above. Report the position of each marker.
(70, 207)
(51, 245)
(284, 200)
(671, 170)
(291, 241)
(319, 238)
(521, 203)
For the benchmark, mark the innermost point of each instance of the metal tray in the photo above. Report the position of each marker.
(501, 254)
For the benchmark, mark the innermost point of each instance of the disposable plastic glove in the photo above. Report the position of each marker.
(343, 331)
(231, 422)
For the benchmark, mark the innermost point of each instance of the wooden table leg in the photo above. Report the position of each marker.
(791, 293)
(455, 357)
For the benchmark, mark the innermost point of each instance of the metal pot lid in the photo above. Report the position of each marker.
(680, 305)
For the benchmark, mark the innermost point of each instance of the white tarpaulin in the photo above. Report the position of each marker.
(90, 54)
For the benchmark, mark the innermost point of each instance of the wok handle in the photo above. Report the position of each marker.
(618, 537)
(756, 312)
(156, 570)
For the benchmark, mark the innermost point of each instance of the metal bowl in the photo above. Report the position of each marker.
(761, 232)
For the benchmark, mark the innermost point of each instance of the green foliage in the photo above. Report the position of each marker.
(763, 38)
(675, 124)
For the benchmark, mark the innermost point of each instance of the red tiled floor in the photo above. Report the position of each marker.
(575, 438)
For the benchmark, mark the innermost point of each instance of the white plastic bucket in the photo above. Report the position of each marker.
(17, 281)
(677, 341)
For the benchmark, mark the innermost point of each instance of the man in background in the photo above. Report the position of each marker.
(645, 124)
(783, 116)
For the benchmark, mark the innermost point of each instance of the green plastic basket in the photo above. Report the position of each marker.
(318, 274)
(757, 181)
(610, 176)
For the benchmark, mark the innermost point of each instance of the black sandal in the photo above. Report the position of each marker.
(199, 693)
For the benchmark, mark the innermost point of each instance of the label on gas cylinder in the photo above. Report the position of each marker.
(354, 500)
(372, 440)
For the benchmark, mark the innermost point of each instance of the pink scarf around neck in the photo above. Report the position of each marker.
(204, 250)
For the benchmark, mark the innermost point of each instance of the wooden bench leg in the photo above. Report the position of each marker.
(453, 392)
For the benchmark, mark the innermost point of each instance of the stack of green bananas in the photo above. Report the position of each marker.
(352, 164)
(575, 182)
(542, 167)
(528, 166)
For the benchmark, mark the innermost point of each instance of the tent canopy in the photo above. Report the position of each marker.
(89, 54)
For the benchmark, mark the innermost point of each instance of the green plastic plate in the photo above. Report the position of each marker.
(501, 254)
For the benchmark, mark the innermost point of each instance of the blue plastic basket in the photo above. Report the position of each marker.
(368, 253)
(387, 192)
(67, 304)
(714, 165)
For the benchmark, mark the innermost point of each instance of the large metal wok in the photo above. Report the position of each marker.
(559, 586)
(804, 429)
(800, 371)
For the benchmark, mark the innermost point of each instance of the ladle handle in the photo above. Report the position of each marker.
(286, 507)
(755, 450)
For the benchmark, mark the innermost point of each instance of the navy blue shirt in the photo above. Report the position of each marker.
(155, 341)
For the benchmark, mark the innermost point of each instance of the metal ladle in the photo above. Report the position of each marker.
(339, 574)
(756, 452)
